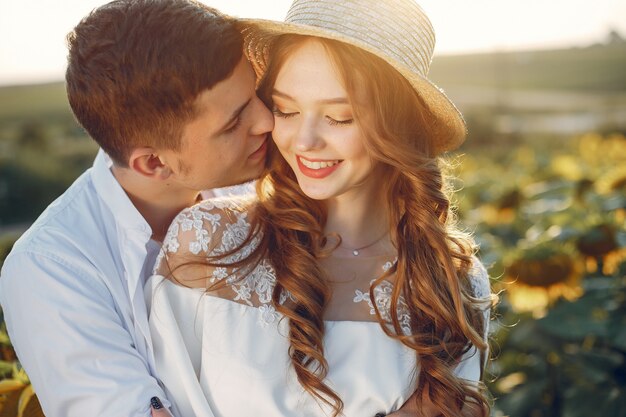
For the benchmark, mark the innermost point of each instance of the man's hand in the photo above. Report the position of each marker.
(157, 408)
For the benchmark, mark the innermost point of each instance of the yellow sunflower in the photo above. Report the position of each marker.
(540, 275)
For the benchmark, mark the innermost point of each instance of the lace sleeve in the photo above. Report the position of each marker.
(481, 290)
(208, 228)
(473, 362)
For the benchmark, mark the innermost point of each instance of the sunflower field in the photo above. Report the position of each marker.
(550, 218)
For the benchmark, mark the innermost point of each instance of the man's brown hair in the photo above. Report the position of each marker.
(135, 68)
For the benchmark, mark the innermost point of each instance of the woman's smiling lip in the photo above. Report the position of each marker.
(317, 168)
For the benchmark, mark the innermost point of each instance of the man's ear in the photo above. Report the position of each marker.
(147, 161)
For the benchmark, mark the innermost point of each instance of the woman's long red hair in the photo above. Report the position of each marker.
(434, 258)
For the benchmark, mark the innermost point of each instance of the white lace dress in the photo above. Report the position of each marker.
(227, 355)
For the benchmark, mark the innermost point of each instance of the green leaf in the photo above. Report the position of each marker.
(579, 319)
(604, 401)
(523, 400)
(619, 336)
(615, 406)
(523, 336)
(591, 368)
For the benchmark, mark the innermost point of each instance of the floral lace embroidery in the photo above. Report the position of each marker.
(187, 220)
(479, 281)
(204, 222)
(382, 296)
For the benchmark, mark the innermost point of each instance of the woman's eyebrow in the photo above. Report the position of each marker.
(337, 100)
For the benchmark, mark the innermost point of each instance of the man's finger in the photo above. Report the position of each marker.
(157, 408)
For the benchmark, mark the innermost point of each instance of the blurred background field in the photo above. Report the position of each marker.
(542, 184)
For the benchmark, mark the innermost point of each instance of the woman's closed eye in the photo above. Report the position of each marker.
(283, 115)
(335, 122)
(330, 120)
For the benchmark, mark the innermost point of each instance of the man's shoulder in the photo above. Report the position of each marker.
(66, 222)
(69, 240)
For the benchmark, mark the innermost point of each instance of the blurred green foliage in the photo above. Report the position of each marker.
(551, 220)
(42, 101)
(6, 244)
(571, 362)
(40, 158)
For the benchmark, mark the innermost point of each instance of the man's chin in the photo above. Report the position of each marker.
(243, 183)
(245, 179)
(236, 181)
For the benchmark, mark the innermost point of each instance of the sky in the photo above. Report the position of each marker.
(32, 32)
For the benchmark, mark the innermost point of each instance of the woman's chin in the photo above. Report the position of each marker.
(315, 193)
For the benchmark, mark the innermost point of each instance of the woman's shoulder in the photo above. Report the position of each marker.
(217, 209)
(206, 219)
(480, 286)
(209, 227)
(479, 280)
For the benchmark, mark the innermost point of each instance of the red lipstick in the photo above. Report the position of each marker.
(316, 173)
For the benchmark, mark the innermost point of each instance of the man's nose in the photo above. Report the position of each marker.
(264, 119)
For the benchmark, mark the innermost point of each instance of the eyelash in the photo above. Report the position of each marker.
(234, 127)
(330, 120)
(334, 122)
(282, 115)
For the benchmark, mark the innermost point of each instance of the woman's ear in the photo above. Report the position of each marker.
(147, 162)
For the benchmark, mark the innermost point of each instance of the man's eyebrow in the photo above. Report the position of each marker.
(234, 116)
(338, 100)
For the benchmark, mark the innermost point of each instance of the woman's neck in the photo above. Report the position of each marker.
(359, 217)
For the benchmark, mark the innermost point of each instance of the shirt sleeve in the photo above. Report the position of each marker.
(71, 340)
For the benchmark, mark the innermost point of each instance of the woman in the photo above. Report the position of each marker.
(344, 288)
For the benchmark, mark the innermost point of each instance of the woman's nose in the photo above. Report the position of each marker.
(307, 137)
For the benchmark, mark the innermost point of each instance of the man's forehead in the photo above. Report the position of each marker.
(230, 93)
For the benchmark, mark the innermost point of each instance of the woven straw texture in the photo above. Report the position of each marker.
(398, 31)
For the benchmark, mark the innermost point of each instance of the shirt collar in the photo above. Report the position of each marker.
(115, 198)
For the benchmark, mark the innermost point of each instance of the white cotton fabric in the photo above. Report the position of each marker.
(72, 296)
(228, 357)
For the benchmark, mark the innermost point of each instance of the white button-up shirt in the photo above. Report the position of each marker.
(72, 295)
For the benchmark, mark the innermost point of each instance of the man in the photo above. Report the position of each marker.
(163, 88)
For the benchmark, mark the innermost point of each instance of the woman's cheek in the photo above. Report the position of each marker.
(280, 134)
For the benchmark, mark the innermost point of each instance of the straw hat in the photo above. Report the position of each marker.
(398, 31)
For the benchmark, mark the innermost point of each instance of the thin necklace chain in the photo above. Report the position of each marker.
(357, 251)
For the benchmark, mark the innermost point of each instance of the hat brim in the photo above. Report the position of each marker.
(448, 126)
